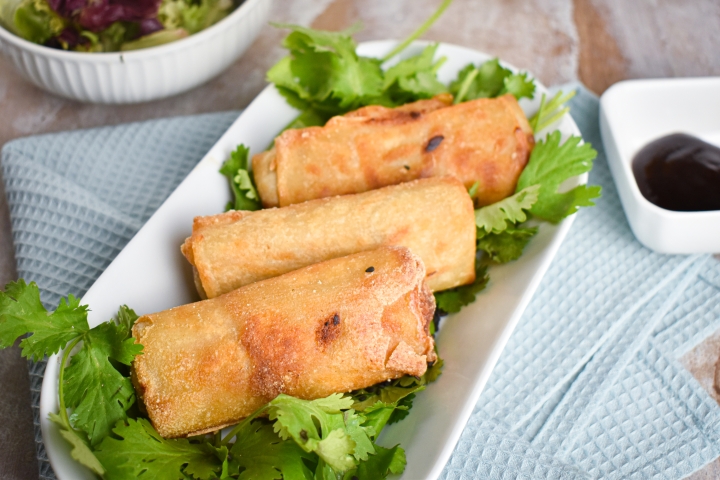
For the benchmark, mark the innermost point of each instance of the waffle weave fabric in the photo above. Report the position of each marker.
(589, 385)
(77, 198)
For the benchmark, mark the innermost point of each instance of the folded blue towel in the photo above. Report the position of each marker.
(589, 384)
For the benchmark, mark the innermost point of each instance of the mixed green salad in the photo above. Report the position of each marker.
(110, 25)
(331, 438)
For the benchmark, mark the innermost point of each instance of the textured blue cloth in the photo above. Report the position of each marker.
(589, 385)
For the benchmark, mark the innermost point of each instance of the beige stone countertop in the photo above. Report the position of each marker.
(596, 41)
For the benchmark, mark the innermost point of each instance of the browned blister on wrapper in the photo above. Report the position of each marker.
(433, 217)
(335, 326)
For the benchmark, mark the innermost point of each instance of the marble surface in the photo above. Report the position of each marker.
(596, 41)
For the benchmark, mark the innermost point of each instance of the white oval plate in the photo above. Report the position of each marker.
(151, 275)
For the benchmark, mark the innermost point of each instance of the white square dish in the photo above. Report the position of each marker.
(150, 275)
(636, 112)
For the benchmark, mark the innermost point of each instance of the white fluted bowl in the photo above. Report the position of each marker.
(139, 75)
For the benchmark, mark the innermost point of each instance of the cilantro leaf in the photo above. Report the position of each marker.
(414, 78)
(21, 312)
(80, 450)
(322, 427)
(324, 71)
(434, 370)
(549, 166)
(260, 453)
(550, 111)
(126, 318)
(99, 394)
(495, 217)
(490, 80)
(243, 186)
(507, 245)
(140, 452)
(384, 462)
(519, 85)
(451, 301)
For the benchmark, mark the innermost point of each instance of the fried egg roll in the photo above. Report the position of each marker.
(335, 326)
(433, 217)
(486, 141)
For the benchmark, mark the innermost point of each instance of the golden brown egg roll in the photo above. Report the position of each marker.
(335, 326)
(433, 217)
(486, 141)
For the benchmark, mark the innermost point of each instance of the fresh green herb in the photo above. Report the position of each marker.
(21, 312)
(490, 80)
(33, 20)
(80, 450)
(413, 79)
(258, 453)
(324, 73)
(379, 465)
(97, 391)
(236, 169)
(325, 426)
(324, 76)
(507, 245)
(494, 218)
(138, 451)
(99, 394)
(550, 112)
(451, 301)
(551, 164)
(419, 32)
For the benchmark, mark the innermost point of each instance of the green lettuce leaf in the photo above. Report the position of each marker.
(35, 21)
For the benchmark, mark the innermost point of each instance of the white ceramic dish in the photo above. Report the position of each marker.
(150, 275)
(632, 114)
(139, 75)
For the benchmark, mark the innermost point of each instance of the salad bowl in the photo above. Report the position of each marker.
(138, 75)
(151, 275)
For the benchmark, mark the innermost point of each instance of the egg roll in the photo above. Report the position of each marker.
(433, 217)
(335, 326)
(487, 141)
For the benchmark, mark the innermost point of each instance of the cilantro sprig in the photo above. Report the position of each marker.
(502, 230)
(98, 393)
(237, 170)
(550, 111)
(490, 80)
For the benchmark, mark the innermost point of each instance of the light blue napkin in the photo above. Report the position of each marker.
(77, 198)
(589, 384)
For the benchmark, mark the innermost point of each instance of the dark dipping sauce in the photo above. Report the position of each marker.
(679, 172)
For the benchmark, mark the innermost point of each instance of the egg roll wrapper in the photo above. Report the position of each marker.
(488, 141)
(327, 328)
(433, 217)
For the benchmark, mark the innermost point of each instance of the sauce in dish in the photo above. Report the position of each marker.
(679, 172)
